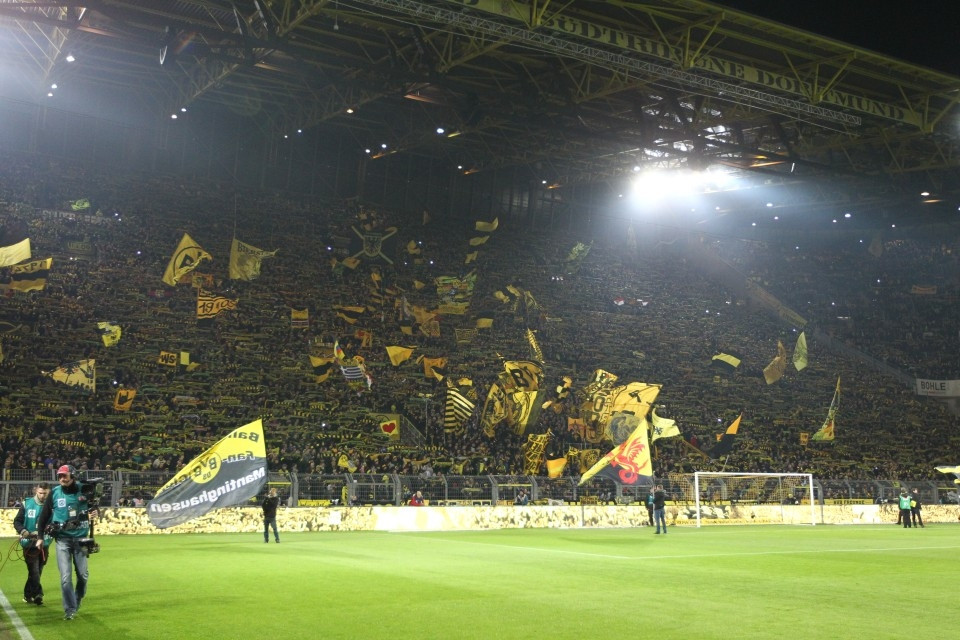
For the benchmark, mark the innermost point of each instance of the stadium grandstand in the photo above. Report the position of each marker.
(426, 243)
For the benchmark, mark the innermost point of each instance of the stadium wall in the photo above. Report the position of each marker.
(248, 519)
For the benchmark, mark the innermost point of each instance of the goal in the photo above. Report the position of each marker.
(754, 498)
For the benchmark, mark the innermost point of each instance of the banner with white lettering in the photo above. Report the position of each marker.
(228, 474)
(938, 388)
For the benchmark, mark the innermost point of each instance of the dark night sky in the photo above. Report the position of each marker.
(924, 33)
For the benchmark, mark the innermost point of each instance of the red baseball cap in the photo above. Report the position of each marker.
(65, 470)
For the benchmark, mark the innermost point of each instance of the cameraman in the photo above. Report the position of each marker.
(34, 557)
(68, 512)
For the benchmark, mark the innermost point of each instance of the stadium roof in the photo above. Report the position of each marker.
(584, 91)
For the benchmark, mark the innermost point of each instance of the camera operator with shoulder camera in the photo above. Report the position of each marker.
(67, 515)
(33, 556)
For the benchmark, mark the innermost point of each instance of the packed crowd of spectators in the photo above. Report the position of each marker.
(643, 312)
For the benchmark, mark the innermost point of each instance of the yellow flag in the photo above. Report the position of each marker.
(15, 253)
(413, 248)
(662, 427)
(124, 399)
(800, 352)
(471, 257)
(398, 354)
(82, 373)
(434, 368)
(168, 358)
(185, 259)
(487, 227)
(479, 240)
(774, 371)
(245, 260)
(110, 333)
(484, 323)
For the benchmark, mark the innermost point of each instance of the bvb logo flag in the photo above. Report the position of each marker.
(185, 259)
(124, 399)
(229, 473)
(629, 463)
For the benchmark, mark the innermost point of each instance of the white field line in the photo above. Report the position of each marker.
(14, 618)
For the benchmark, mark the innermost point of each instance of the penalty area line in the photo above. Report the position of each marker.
(14, 618)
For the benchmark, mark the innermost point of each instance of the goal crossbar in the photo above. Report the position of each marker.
(804, 480)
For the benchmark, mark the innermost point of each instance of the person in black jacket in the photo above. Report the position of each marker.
(915, 509)
(659, 515)
(270, 504)
(34, 557)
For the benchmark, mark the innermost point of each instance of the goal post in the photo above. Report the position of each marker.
(779, 498)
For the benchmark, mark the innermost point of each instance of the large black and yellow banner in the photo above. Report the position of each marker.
(228, 474)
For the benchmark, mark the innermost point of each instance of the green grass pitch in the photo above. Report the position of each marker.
(716, 582)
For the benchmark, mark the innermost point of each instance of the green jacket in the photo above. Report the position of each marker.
(69, 506)
(27, 519)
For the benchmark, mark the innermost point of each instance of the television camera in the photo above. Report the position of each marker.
(92, 490)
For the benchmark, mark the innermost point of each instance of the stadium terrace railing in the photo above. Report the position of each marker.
(132, 488)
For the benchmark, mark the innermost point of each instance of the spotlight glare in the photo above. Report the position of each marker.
(53, 86)
(440, 130)
(183, 109)
(173, 116)
(70, 57)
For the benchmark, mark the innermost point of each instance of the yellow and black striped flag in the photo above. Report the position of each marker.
(209, 305)
(322, 366)
(349, 314)
(31, 276)
(299, 318)
(457, 409)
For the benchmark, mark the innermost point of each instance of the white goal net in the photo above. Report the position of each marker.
(754, 498)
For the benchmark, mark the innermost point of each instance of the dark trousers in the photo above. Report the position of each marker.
(917, 518)
(650, 515)
(267, 523)
(905, 516)
(35, 561)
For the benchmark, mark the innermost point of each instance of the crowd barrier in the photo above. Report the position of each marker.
(125, 520)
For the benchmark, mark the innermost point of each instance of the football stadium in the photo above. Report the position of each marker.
(422, 319)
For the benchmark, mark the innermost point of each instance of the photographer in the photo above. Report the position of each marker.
(69, 515)
(35, 557)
